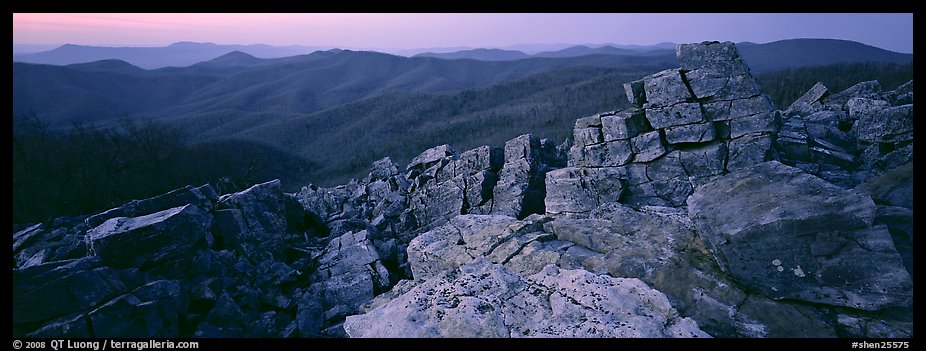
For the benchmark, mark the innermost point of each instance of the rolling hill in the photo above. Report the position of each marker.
(237, 83)
(342, 109)
(796, 53)
(180, 54)
(478, 54)
(762, 58)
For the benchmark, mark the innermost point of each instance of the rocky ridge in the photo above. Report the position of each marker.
(701, 211)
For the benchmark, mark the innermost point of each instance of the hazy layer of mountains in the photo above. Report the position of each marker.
(180, 54)
(341, 109)
(767, 57)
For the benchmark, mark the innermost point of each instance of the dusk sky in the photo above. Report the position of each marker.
(404, 31)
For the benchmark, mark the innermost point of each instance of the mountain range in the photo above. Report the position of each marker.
(341, 109)
(762, 58)
(180, 54)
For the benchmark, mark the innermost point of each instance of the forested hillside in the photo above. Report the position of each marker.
(231, 138)
(783, 87)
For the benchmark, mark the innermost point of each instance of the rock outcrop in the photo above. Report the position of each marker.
(700, 211)
(487, 300)
(793, 235)
(687, 126)
(851, 136)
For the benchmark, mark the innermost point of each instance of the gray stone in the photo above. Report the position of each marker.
(748, 150)
(483, 158)
(383, 168)
(575, 190)
(158, 237)
(778, 320)
(430, 157)
(705, 84)
(647, 147)
(262, 206)
(717, 110)
(712, 84)
(765, 122)
(179, 197)
(478, 194)
(669, 179)
(859, 106)
(519, 190)
(593, 121)
(636, 94)
(225, 320)
(665, 89)
(623, 125)
(152, 310)
(894, 187)
(456, 243)
(704, 161)
(866, 327)
(902, 95)
(587, 136)
(810, 99)
(751, 106)
(675, 115)
(886, 125)
(832, 155)
(329, 204)
(309, 317)
(488, 300)
(26, 236)
(351, 270)
(71, 286)
(435, 203)
(869, 89)
(610, 154)
(720, 55)
(690, 133)
(74, 326)
(793, 235)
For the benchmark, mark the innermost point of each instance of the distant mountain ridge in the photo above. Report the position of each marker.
(793, 53)
(571, 51)
(762, 58)
(111, 89)
(180, 54)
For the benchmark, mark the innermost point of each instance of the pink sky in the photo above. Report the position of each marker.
(889, 31)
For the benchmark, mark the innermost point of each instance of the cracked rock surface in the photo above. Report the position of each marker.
(481, 299)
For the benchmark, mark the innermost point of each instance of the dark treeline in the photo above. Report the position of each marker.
(345, 140)
(783, 87)
(87, 170)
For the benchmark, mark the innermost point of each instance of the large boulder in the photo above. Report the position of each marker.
(267, 215)
(430, 157)
(149, 239)
(202, 196)
(488, 300)
(61, 288)
(793, 235)
(581, 190)
(456, 243)
(520, 188)
(688, 126)
(39, 244)
(152, 310)
(350, 271)
(329, 204)
(894, 187)
(461, 184)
